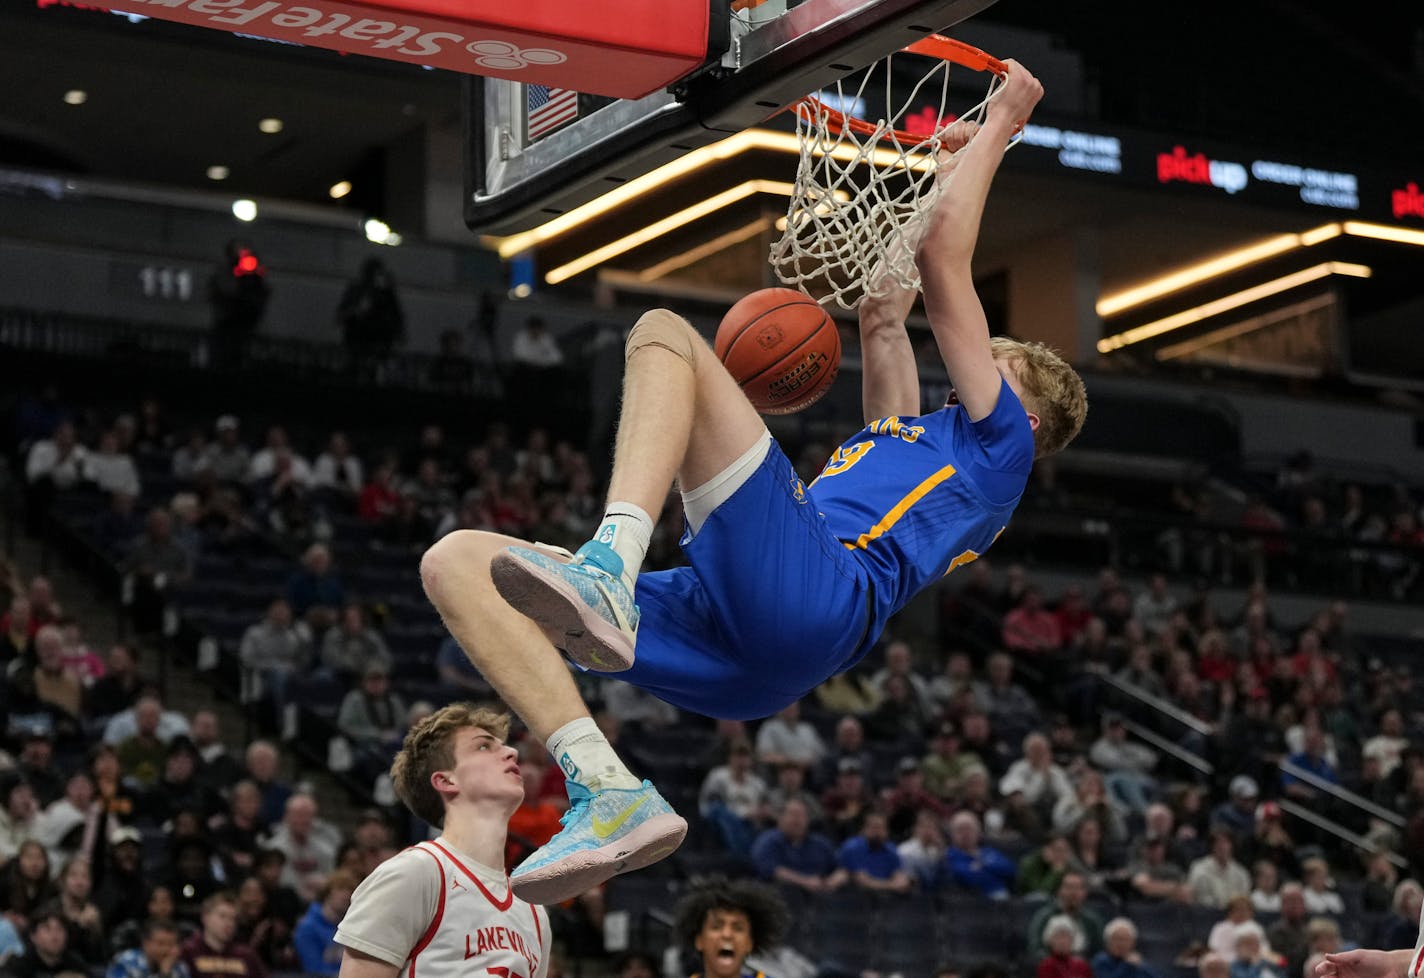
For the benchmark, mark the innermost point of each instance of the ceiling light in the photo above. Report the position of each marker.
(339, 190)
(244, 209)
(1216, 337)
(1234, 301)
(218, 172)
(379, 232)
(1199, 272)
(742, 142)
(1383, 232)
(270, 126)
(76, 96)
(673, 221)
(704, 250)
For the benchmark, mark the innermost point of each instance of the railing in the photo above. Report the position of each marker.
(1225, 554)
(1167, 709)
(1170, 748)
(1340, 794)
(87, 337)
(1339, 831)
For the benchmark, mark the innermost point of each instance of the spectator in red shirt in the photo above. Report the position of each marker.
(1073, 614)
(1214, 662)
(1310, 663)
(379, 500)
(44, 609)
(1031, 627)
(1061, 962)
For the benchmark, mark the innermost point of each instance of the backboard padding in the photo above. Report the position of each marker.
(512, 186)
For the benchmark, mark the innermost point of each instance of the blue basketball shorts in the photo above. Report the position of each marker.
(769, 606)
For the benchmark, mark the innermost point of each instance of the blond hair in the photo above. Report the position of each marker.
(430, 747)
(1052, 390)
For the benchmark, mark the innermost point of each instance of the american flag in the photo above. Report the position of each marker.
(549, 108)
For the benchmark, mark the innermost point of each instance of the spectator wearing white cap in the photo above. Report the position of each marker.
(123, 894)
(69, 826)
(1238, 813)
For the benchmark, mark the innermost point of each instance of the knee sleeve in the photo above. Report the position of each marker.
(661, 328)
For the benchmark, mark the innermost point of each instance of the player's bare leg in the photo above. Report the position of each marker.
(682, 416)
(615, 823)
(509, 650)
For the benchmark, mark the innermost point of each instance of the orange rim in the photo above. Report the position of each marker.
(932, 46)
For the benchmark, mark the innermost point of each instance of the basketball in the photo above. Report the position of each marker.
(781, 347)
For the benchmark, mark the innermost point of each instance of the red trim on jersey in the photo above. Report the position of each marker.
(498, 904)
(539, 928)
(1418, 960)
(430, 931)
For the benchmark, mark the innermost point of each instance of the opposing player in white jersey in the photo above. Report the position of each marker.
(1368, 963)
(445, 908)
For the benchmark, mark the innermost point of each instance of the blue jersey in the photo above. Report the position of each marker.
(787, 585)
(914, 498)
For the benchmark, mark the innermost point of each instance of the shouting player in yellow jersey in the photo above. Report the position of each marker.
(786, 585)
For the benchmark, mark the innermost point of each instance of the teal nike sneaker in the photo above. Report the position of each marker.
(579, 600)
(605, 833)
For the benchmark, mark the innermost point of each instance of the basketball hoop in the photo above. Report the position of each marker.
(864, 189)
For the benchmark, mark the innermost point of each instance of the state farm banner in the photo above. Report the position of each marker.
(617, 48)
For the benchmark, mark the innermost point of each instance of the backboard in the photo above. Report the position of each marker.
(536, 152)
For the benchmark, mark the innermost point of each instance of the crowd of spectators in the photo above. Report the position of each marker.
(997, 759)
(1299, 524)
(132, 842)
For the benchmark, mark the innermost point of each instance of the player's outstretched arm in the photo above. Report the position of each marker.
(947, 247)
(1364, 963)
(890, 378)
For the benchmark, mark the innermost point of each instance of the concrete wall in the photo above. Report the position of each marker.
(83, 256)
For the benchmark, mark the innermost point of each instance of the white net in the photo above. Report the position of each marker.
(864, 190)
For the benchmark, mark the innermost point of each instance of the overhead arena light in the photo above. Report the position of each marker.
(651, 232)
(379, 232)
(1233, 301)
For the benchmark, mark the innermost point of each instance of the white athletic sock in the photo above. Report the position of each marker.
(628, 529)
(586, 756)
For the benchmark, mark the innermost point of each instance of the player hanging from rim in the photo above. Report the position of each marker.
(787, 584)
(726, 922)
(449, 903)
